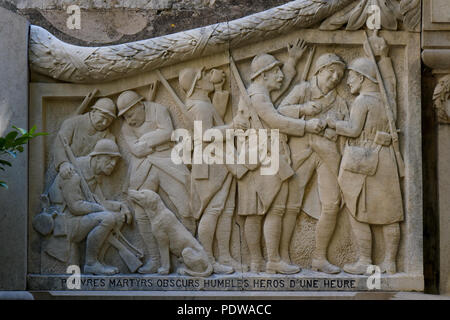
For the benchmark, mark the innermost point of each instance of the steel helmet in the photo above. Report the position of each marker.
(105, 105)
(126, 100)
(107, 147)
(326, 60)
(188, 79)
(365, 67)
(263, 62)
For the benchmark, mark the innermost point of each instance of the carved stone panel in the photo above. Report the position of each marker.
(229, 159)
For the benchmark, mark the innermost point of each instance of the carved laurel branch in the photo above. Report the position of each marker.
(62, 61)
(440, 97)
(356, 15)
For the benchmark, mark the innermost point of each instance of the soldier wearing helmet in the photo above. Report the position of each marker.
(147, 131)
(83, 131)
(213, 186)
(371, 192)
(264, 196)
(86, 219)
(320, 153)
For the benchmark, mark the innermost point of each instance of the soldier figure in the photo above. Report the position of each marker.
(316, 99)
(370, 184)
(266, 195)
(213, 185)
(83, 131)
(93, 221)
(147, 131)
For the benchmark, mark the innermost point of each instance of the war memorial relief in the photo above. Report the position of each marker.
(277, 151)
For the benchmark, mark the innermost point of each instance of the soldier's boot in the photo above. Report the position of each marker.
(223, 235)
(206, 231)
(281, 267)
(94, 243)
(153, 262)
(289, 221)
(252, 232)
(363, 237)
(98, 268)
(151, 266)
(324, 232)
(272, 234)
(391, 235)
(359, 267)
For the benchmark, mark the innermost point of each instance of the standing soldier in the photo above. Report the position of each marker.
(320, 153)
(369, 176)
(266, 195)
(147, 131)
(213, 185)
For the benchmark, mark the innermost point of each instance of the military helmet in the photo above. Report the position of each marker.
(106, 147)
(188, 79)
(126, 100)
(262, 63)
(326, 60)
(105, 105)
(365, 67)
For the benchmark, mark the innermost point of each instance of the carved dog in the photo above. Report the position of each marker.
(172, 236)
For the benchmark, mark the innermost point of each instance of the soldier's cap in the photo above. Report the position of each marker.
(365, 67)
(262, 63)
(107, 106)
(105, 147)
(188, 79)
(326, 60)
(127, 100)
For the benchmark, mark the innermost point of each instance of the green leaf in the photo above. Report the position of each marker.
(32, 130)
(20, 148)
(11, 136)
(4, 162)
(22, 131)
(40, 134)
(3, 184)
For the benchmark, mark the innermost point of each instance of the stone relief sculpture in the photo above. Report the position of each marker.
(82, 64)
(441, 99)
(172, 236)
(256, 201)
(357, 14)
(369, 161)
(213, 186)
(86, 214)
(316, 99)
(181, 217)
(147, 131)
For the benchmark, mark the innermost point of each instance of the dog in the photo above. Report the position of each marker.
(172, 236)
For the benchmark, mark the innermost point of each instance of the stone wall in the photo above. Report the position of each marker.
(119, 21)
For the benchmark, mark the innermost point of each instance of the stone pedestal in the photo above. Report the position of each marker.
(14, 111)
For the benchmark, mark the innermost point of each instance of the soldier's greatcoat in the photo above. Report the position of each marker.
(373, 199)
(257, 192)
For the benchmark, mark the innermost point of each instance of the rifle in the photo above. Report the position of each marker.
(127, 251)
(86, 102)
(308, 64)
(244, 94)
(178, 101)
(389, 114)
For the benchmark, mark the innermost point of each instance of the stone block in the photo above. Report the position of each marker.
(14, 111)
